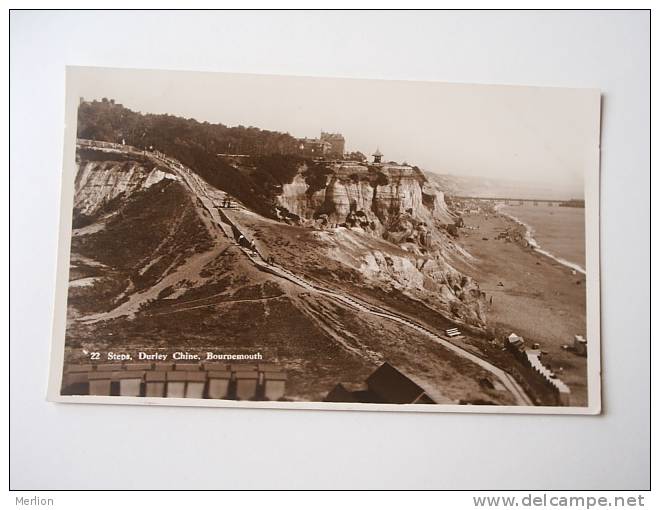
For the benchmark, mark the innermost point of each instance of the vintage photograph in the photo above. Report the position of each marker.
(280, 241)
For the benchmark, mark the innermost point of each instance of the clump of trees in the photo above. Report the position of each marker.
(108, 121)
(355, 156)
(381, 179)
(316, 176)
(273, 157)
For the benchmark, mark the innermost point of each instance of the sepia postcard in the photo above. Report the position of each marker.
(323, 243)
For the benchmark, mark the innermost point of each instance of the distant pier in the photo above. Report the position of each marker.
(523, 201)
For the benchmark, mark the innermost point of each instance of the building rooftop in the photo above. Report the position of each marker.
(336, 136)
(392, 386)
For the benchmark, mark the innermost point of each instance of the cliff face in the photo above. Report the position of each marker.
(356, 202)
(99, 182)
(134, 225)
(384, 222)
(377, 194)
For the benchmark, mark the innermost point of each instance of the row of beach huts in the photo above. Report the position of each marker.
(243, 381)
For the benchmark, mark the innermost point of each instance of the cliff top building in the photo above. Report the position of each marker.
(314, 148)
(337, 144)
(378, 156)
(329, 145)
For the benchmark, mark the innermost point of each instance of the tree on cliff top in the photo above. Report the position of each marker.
(196, 144)
(356, 156)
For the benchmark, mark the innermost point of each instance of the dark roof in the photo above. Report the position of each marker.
(341, 394)
(392, 386)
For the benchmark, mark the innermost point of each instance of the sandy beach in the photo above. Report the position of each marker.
(539, 298)
(558, 230)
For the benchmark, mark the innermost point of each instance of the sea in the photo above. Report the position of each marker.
(557, 232)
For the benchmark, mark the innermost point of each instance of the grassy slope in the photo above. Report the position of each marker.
(160, 221)
(233, 307)
(274, 156)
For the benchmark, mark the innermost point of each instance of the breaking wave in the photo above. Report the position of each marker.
(529, 237)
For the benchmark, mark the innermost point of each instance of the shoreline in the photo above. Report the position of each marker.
(529, 237)
(533, 295)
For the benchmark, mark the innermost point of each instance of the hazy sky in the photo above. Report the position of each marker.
(541, 135)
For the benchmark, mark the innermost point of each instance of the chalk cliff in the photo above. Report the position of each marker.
(377, 194)
(100, 181)
(394, 203)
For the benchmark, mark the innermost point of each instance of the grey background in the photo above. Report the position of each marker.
(94, 446)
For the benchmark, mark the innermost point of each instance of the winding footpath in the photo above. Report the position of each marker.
(201, 190)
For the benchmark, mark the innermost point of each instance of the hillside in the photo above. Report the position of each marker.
(151, 267)
(395, 203)
(273, 156)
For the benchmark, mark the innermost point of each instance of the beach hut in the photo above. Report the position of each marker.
(515, 340)
(176, 384)
(130, 382)
(246, 384)
(155, 383)
(580, 345)
(266, 367)
(75, 380)
(274, 385)
(100, 383)
(219, 383)
(195, 384)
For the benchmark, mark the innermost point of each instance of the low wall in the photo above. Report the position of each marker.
(531, 366)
